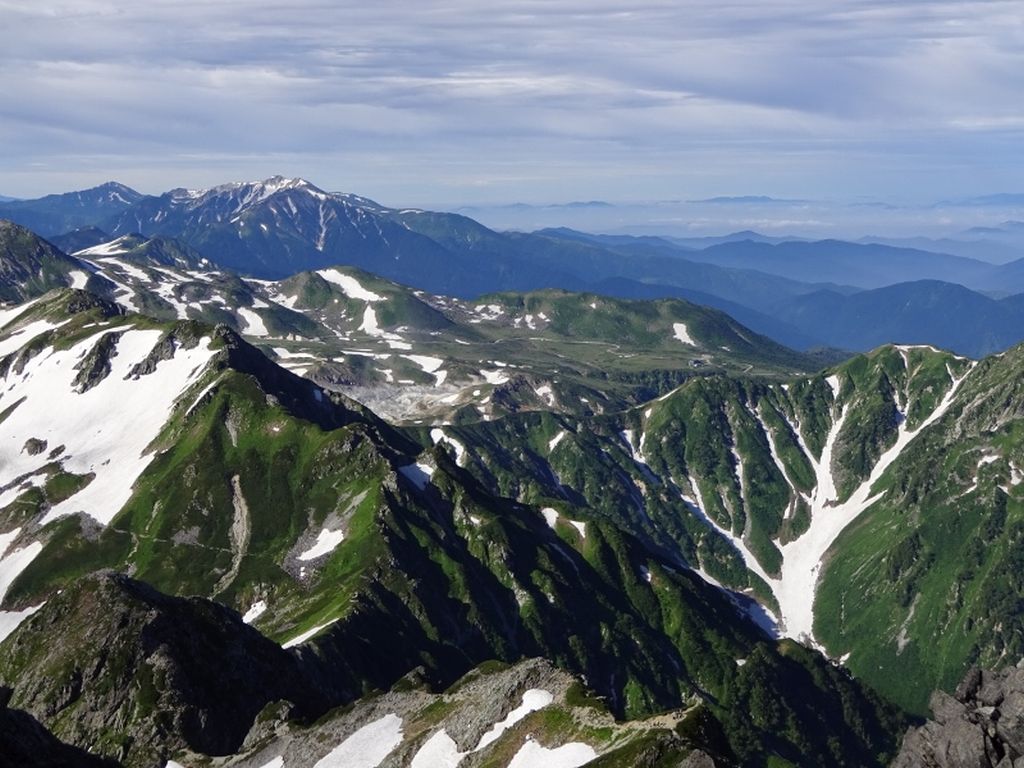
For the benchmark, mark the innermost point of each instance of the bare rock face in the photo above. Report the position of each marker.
(116, 668)
(25, 743)
(980, 726)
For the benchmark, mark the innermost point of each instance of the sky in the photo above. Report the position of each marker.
(465, 102)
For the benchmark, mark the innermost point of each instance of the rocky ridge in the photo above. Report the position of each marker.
(980, 726)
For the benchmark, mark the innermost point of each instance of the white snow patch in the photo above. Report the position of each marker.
(327, 541)
(428, 364)
(256, 610)
(11, 566)
(367, 747)
(637, 453)
(698, 507)
(10, 620)
(681, 333)
(352, 287)
(494, 377)
(106, 429)
(579, 526)
(129, 269)
(78, 278)
(572, 755)
(431, 365)
(19, 338)
(9, 313)
(439, 751)
(286, 354)
(533, 699)
(439, 436)
(554, 441)
(299, 639)
(550, 516)
(105, 249)
(834, 385)
(369, 325)
(254, 325)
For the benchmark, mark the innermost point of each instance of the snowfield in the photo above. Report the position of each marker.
(367, 747)
(326, 542)
(255, 611)
(106, 431)
(352, 288)
(681, 333)
(533, 755)
(254, 325)
(533, 699)
(309, 633)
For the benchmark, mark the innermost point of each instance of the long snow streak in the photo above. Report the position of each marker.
(802, 558)
(796, 585)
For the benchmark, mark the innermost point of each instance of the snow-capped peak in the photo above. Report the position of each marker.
(244, 194)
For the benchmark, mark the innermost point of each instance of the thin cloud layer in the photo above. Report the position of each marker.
(461, 101)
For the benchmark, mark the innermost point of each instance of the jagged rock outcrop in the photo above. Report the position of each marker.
(980, 726)
(115, 667)
(25, 743)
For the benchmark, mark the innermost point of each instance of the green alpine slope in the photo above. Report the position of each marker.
(836, 501)
(325, 528)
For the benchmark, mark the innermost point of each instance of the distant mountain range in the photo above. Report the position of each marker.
(55, 214)
(778, 286)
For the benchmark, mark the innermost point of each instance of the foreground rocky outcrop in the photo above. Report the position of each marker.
(980, 726)
(116, 668)
(25, 743)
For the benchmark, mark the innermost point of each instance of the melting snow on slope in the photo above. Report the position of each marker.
(300, 639)
(533, 699)
(494, 377)
(349, 285)
(7, 314)
(19, 338)
(78, 278)
(11, 566)
(795, 590)
(105, 430)
(439, 751)
(551, 518)
(369, 325)
(106, 249)
(254, 325)
(533, 755)
(438, 436)
(255, 611)
(431, 365)
(556, 440)
(326, 543)
(367, 747)
(681, 333)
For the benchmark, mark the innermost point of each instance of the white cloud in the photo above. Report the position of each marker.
(411, 101)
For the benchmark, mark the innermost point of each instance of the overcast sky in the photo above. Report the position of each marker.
(543, 101)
